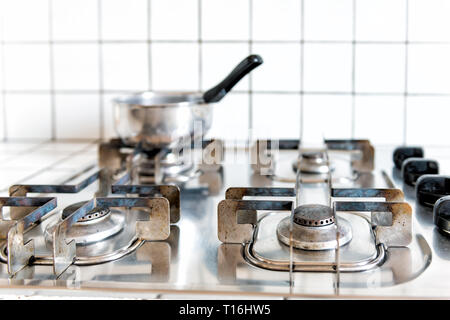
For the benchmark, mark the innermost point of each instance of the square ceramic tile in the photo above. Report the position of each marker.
(380, 119)
(225, 19)
(380, 68)
(281, 68)
(427, 120)
(124, 20)
(28, 116)
(77, 116)
(276, 116)
(175, 66)
(27, 67)
(26, 20)
(174, 19)
(326, 116)
(229, 55)
(76, 66)
(429, 68)
(75, 19)
(429, 20)
(276, 20)
(125, 66)
(230, 118)
(381, 20)
(327, 67)
(2, 119)
(328, 19)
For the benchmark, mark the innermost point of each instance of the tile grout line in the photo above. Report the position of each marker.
(353, 106)
(302, 60)
(251, 134)
(149, 45)
(199, 45)
(93, 91)
(405, 98)
(3, 78)
(100, 70)
(175, 41)
(52, 70)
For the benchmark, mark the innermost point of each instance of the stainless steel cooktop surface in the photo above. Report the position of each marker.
(135, 229)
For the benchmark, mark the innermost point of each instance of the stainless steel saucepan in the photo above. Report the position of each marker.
(159, 120)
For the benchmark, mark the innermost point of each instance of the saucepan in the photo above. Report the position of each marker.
(161, 120)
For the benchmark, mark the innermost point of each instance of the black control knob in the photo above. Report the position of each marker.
(441, 214)
(414, 168)
(403, 153)
(431, 187)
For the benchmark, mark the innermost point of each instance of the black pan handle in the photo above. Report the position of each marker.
(243, 68)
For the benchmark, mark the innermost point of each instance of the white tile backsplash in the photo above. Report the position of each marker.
(380, 68)
(429, 68)
(65, 60)
(327, 67)
(427, 120)
(429, 20)
(27, 67)
(281, 68)
(276, 115)
(77, 111)
(174, 19)
(218, 59)
(230, 118)
(75, 19)
(125, 67)
(328, 19)
(225, 19)
(379, 118)
(124, 20)
(28, 116)
(381, 20)
(26, 20)
(175, 66)
(327, 116)
(76, 66)
(276, 20)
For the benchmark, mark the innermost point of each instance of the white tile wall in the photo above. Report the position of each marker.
(28, 116)
(327, 67)
(356, 68)
(75, 20)
(327, 116)
(276, 116)
(77, 116)
(174, 19)
(124, 20)
(76, 66)
(328, 20)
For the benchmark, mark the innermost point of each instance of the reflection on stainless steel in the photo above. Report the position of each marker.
(193, 260)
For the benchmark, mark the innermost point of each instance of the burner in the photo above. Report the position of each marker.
(312, 162)
(314, 228)
(151, 170)
(97, 225)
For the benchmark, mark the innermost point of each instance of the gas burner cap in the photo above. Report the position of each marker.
(313, 215)
(314, 228)
(314, 161)
(97, 225)
(95, 213)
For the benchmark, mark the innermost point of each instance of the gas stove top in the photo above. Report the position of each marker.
(274, 218)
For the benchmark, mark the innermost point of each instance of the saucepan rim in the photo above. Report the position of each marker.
(160, 99)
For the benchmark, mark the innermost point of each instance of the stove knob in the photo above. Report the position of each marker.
(441, 214)
(431, 187)
(414, 168)
(403, 153)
